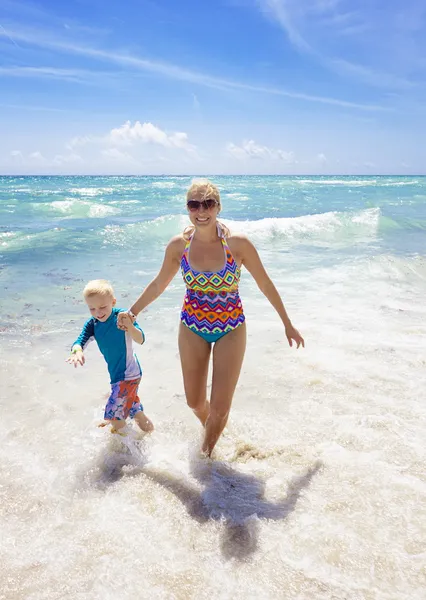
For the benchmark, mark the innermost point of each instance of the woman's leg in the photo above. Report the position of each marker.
(228, 355)
(194, 357)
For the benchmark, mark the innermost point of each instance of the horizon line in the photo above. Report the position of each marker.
(215, 175)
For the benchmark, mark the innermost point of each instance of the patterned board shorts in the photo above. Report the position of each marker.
(124, 401)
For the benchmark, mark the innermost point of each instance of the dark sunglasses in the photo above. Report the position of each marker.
(194, 205)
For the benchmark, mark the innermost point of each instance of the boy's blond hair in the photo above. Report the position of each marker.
(98, 286)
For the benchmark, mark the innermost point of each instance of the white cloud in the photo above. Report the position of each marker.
(321, 158)
(250, 150)
(147, 133)
(16, 154)
(130, 134)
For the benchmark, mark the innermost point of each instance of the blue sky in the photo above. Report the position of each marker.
(229, 86)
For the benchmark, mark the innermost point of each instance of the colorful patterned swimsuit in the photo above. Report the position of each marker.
(212, 306)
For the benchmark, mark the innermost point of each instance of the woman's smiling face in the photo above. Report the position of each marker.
(203, 205)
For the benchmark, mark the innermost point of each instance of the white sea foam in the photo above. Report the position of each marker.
(97, 191)
(338, 181)
(80, 208)
(236, 196)
(167, 185)
(322, 228)
(356, 182)
(102, 210)
(317, 486)
(312, 227)
(64, 206)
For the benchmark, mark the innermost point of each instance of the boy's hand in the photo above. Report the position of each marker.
(124, 321)
(76, 358)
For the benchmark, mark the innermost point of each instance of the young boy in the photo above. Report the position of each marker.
(117, 348)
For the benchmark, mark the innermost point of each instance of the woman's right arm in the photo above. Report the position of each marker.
(168, 270)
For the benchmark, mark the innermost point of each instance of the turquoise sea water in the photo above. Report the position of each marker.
(318, 487)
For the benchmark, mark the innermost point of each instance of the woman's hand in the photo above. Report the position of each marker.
(124, 320)
(292, 334)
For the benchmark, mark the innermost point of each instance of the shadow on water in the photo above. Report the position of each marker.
(219, 492)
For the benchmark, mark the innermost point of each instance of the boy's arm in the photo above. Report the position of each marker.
(139, 332)
(133, 329)
(85, 337)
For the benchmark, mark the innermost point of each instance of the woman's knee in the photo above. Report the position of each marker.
(219, 413)
(195, 402)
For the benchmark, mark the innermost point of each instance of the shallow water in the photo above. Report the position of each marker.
(318, 487)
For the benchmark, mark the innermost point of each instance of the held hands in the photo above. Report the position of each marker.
(292, 334)
(76, 358)
(124, 321)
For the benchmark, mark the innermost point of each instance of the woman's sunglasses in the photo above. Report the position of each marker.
(194, 205)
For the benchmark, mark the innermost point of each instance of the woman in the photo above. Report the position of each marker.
(211, 258)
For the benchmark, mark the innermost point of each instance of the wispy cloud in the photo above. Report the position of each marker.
(8, 36)
(172, 71)
(249, 149)
(371, 76)
(72, 75)
(195, 102)
(38, 159)
(370, 42)
(283, 13)
(34, 108)
(35, 13)
(37, 156)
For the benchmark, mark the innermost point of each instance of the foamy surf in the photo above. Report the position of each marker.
(317, 488)
(90, 192)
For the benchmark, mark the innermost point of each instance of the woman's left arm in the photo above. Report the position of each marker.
(251, 260)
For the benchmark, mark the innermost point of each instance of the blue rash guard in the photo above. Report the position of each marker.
(115, 345)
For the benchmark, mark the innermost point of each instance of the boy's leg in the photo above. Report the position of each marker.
(144, 422)
(136, 410)
(117, 425)
(117, 407)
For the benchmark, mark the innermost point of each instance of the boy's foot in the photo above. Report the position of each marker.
(119, 430)
(144, 423)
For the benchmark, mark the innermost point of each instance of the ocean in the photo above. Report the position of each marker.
(317, 489)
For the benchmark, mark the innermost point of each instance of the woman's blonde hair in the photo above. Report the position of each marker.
(98, 286)
(204, 189)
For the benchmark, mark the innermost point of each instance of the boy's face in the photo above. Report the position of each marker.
(100, 306)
